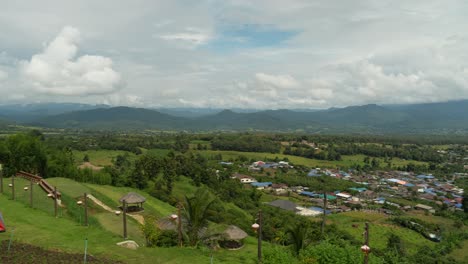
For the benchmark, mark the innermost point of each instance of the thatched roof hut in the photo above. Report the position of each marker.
(233, 236)
(135, 199)
(132, 198)
(234, 233)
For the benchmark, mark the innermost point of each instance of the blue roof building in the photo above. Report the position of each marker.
(261, 184)
(314, 173)
(318, 209)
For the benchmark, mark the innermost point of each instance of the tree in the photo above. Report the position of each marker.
(299, 236)
(465, 202)
(24, 152)
(150, 231)
(395, 243)
(196, 212)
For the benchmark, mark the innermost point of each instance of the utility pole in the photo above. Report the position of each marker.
(55, 200)
(260, 222)
(124, 219)
(85, 209)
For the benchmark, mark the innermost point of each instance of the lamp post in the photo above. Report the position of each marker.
(177, 217)
(79, 203)
(124, 208)
(258, 229)
(118, 213)
(55, 201)
(12, 185)
(365, 248)
(85, 198)
(30, 189)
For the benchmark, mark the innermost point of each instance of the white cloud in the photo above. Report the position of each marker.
(281, 81)
(3, 75)
(58, 71)
(190, 37)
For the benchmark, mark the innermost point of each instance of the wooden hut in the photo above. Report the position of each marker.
(232, 238)
(134, 201)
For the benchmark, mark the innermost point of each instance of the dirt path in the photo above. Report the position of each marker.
(101, 204)
(140, 219)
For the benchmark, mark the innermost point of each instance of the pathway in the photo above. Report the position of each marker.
(139, 218)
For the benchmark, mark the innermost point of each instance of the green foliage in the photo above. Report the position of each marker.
(196, 211)
(23, 152)
(299, 236)
(327, 252)
(246, 143)
(277, 255)
(150, 231)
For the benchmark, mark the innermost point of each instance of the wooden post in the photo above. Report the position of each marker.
(55, 200)
(85, 209)
(179, 224)
(124, 219)
(13, 188)
(366, 242)
(260, 222)
(31, 193)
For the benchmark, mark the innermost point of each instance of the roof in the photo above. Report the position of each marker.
(425, 207)
(311, 194)
(284, 204)
(358, 189)
(313, 173)
(318, 209)
(234, 233)
(132, 197)
(261, 184)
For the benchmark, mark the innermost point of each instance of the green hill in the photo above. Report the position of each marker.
(38, 226)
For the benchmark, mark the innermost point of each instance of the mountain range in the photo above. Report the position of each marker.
(429, 118)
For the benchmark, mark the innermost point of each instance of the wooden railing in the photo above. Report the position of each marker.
(40, 181)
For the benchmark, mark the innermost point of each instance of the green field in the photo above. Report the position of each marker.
(379, 230)
(100, 157)
(347, 160)
(105, 157)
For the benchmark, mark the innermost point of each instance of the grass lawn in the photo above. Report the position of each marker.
(461, 254)
(40, 228)
(100, 157)
(152, 205)
(347, 160)
(379, 230)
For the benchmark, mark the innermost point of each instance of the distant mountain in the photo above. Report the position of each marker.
(31, 112)
(115, 118)
(448, 117)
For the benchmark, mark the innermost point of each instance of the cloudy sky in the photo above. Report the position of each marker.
(234, 53)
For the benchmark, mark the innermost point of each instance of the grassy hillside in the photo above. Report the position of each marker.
(40, 227)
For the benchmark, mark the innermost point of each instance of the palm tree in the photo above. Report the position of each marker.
(299, 236)
(196, 213)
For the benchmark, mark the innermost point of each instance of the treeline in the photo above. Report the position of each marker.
(29, 152)
(245, 143)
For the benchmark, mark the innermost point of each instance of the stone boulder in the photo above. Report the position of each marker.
(128, 244)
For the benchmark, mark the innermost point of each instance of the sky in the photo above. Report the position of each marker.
(260, 54)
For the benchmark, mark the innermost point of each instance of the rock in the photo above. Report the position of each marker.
(128, 244)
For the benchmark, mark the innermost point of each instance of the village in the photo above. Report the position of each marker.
(382, 191)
